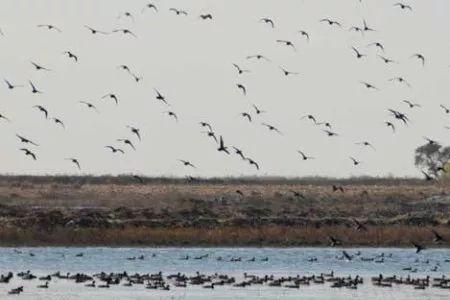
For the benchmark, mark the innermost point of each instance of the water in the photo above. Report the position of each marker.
(281, 262)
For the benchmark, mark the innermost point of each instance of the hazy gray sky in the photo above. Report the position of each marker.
(190, 61)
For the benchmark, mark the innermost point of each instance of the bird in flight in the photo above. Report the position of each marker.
(411, 104)
(257, 110)
(160, 97)
(287, 73)
(366, 27)
(114, 149)
(355, 161)
(26, 141)
(310, 117)
(258, 57)
(399, 116)
(268, 21)
(252, 163)
(272, 128)
(305, 34)
(111, 96)
(50, 27)
(428, 177)
(330, 133)
(206, 17)
(178, 12)
(437, 237)
(150, 6)
(89, 105)
(29, 153)
(358, 54)
(387, 60)
(95, 31)
(378, 45)
(135, 131)
(246, 115)
(391, 125)
(172, 114)
(445, 108)
(127, 142)
(330, 22)
(366, 144)
(34, 90)
(186, 163)
(369, 86)
(304, 156)
(75, 162)
(71, 55)
(59, 122)
(4, 118)
(240, 71)
(419, 57)
(403, 6)
(242, 88)
(10, 85)
(125, 32)
(222, 147)
(239, 152)
(287, 43)
(39, 67)
(207, 125)
(400, 80)
(42, 109)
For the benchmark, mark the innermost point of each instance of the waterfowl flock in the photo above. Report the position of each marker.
(93, 92)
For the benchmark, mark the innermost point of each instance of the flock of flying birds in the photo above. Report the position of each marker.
(121, 146)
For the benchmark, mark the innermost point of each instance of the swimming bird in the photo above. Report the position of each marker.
(75, 162)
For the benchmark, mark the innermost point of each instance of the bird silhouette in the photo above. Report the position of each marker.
(178, 12)
(111, 96)
(206, 17)
(428, 177)
(240, 71)
(258, 57)
(246, 115)
(135, 131)
(2, 116)
(330, 133)
(420, 57)
(125, 31)
(160, 97)
(11, 86)
(330, 22)
(419, 248)
(399, 116)
(358, 54)
(222, 147)
(42, 109)
(369, 86)
(29, 153)
(445, 108)
(207, 125)
(366, 27)
(39, 67)
(50, 27)
(287, 43)
(172, 114)
(268, 21)
(272, 128)
(390, 124)
(242, 88)
(287, 73)
(378, 45)
(400, 80)
(115, 150)
(186, 163)
(252, 163)
(387, 60)
(403, 6)
(71, 55)
(89, 105)
(239, 152)
(334, 241)
(411, 105)
(257, 110)
(26, 140)
(127, 142)
(305, 34)
(366, 144)
(304, 156)
(150, 6)
(59, 122)
(34, 90)
(95, 31)
(75, 162)
(438, 239)
(359, 225)
(355, 161)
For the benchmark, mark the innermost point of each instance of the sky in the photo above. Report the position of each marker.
(189, 60)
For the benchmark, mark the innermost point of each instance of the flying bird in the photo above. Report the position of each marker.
(240, 71)
(287, 73)
(378, 45)
(400, 80)
(366, 144)
(135, 131)
(403, 6)
(95, 31)
(127, 142)
(304, 156)
(272, 128)
(287, 43)
(246, 115)
(42, 109)
(172, 114)
(26, 141)
(178, 12)
(330, 22)
(252, 163)
(420, 57)
(89, 105)
(160, 97)
(305, 34)
(4, 118)
(111, 96)
(268, 21)
(242, 88)
(355, 161)
(50, 27)
(114, 149)
(222, 147)
(411, 104)
(34, 90)
(258, 57)
(125, 32)
(75, 162)
(39, 67)
(206, 17)
(257, 110)
(71, 55)
(10, 85)
(59, 122)
(369, 86)
(29, 153)
(358, 54)
(186, 163)
(150, 6)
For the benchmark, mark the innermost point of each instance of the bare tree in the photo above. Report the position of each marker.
(432, 157)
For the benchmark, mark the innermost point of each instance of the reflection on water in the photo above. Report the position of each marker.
(232, 262)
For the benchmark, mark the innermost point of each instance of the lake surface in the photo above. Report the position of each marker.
(256, 261)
